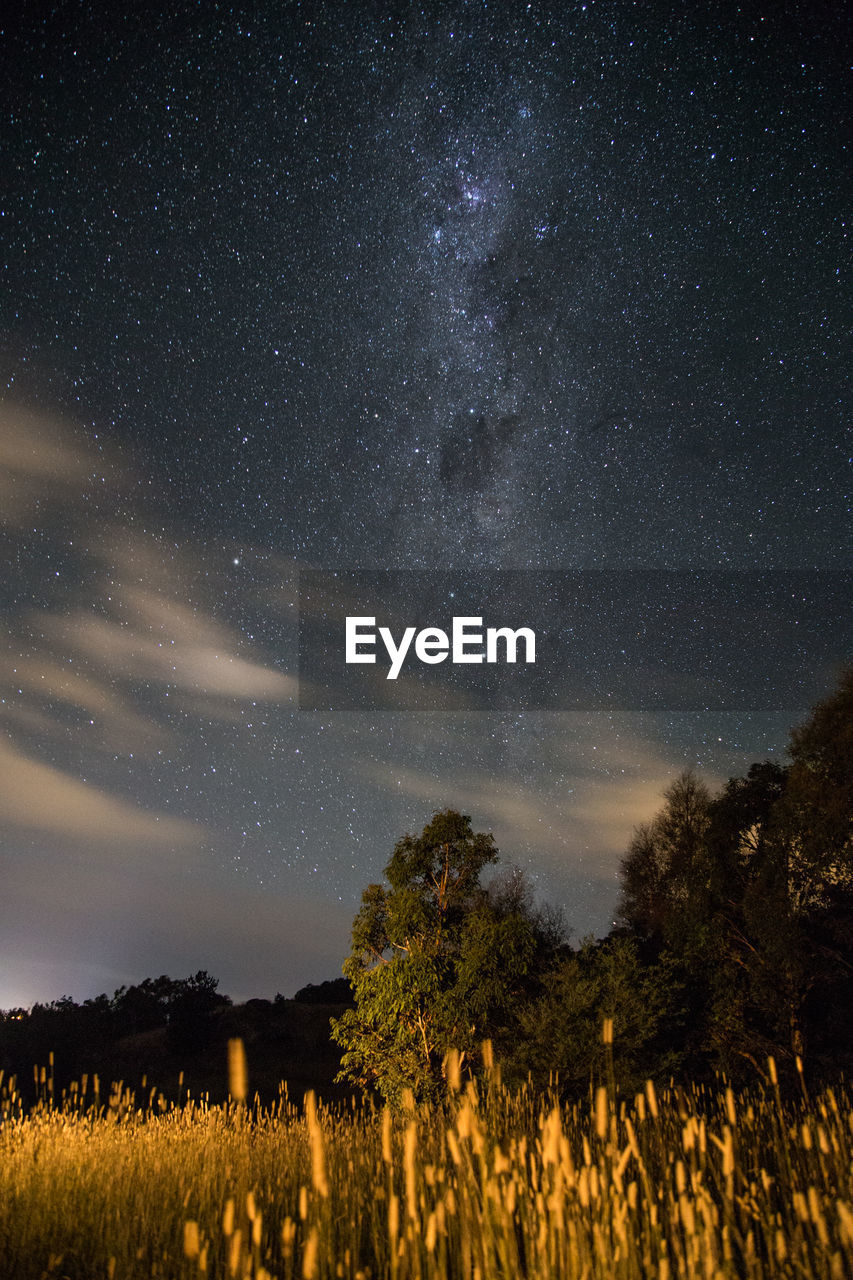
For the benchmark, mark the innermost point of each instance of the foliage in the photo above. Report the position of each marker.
(76, 1034)
(437, 960)
(191, 1014)
(735, 942)
(784, 957)
(562, 1030)
(333, 991)
(750, 893)
(665, 873)
(818, 804)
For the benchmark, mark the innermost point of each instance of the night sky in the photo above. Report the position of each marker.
(465, 286)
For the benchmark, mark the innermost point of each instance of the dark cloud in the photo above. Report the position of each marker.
(475, 451)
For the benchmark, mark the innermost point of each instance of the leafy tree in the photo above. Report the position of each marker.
(751, 894)
(333, 991)
(752, 943)
(192, 1013)
(437, 960)
(666, 872)
(562, 1030)
(740, 827)
(143, 1006)
(802, 909)
(818, 803)
(787, 913)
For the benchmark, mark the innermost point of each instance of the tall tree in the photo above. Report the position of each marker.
(750, 961)
(789, 923)
(666, 873)
(818, 805)
(751, 894)
(436, 960)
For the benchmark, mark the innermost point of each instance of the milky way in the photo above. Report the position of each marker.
(484, 287)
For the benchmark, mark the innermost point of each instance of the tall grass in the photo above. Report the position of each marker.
(683, 1182)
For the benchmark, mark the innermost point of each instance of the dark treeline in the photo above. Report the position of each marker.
(173, 1032)
(737, 911)
(80, 1037)
(733, 944)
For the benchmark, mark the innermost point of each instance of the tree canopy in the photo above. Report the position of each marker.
(438, 960)
(750, 891)
(734, 940)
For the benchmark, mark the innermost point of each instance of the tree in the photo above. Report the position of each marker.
(333, 991)
(144, 1006)
(752, 958)
(705, 889)
(561, 1031)
(813, 876)
(788, 909)
(818, 804)
(751, 894)
(193, 1008)
(437, 961)
(666, 873)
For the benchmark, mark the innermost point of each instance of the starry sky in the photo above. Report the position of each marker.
(490, 288)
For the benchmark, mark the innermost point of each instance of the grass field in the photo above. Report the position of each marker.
(697, 1182)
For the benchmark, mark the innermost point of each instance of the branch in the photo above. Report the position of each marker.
(741, 936)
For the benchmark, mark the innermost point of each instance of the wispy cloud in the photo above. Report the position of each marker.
(159, 638)
(39, 798)
(595, 792)
(46, 466)
(141, 612)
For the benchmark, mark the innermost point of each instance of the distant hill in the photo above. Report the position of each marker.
(334, 991)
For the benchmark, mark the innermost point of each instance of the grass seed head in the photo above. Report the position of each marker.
(238, 1078)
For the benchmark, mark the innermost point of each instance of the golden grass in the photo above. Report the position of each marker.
(691, 1182)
